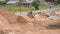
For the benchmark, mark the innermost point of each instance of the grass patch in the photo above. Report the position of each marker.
(16, 8)
(22, 8)
(43, 7)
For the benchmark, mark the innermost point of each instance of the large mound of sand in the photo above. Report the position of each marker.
(58, 13)
(8, 22)
(3, 22)
(45, 21)
(6, 18)
(21, 18)
(7, 15)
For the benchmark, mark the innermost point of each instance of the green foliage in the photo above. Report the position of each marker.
(58, 1)
(35, 4)
(6, 0)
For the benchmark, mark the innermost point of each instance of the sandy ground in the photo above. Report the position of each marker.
(9, 24)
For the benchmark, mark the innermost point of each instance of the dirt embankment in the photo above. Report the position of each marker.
(36, 25)
(21, 18)
(7, 15)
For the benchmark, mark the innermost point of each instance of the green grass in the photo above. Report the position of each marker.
(16, 8)
(43, 7)
(55, 6)
(22, 8)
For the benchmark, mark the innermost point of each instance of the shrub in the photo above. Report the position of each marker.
(35, 4)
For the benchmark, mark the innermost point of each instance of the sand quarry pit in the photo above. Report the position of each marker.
(22, 24)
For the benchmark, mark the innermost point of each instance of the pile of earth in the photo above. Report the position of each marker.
(48, 20)
(21, 24)
(7, 15)
(21, 18)
(10, 23)
(58, 13)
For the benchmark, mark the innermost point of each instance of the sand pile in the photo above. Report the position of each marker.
(14, 18)
(58, 13)
(7, 15)
(8, 24)
(32, 27)
(8, 21)
(3, 22)
(21, 18)
(45, 21)
(4, 25)
(40, 20)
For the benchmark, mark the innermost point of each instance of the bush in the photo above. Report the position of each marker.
(35, 4)
(58, 1)
(6, 0)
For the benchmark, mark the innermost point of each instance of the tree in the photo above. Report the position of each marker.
(35, 4)
(6, 0)
(58, 1)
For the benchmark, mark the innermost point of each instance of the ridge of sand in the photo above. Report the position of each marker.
(6, 14)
